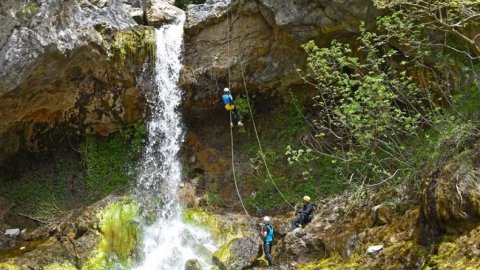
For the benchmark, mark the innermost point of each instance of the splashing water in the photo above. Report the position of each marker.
(169, 242)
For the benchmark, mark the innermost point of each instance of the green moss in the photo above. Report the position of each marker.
(27, 11)
(221, 231)
(110, 163)
(223, 253)
(45, 189)
(119, 236)
(60, 266)
(8, 266)
(331, 263)
(134, 45)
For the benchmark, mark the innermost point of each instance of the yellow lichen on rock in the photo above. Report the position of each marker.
(61, 266)
(221, 230)
(119, 235)
(8, 266)
(133, 44)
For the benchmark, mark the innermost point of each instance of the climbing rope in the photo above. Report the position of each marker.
(231, 127)
(233, 171)
(262, 154)
(254, 126)
(228, 49)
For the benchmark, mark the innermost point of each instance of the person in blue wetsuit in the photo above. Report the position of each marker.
(267, 236)
(306, 214)
(229, 106)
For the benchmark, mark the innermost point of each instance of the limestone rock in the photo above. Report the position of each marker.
(301, 245)
(263, 38)
(201, 15)
(188, 196)
(138, 16)
(239, 253)
(450, 200)
(159, 12)
(381, 215)
(74, 63)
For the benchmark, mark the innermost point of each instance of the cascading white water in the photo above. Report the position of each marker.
(169, 242)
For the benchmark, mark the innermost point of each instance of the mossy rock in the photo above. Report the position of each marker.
(61, 266)
(223, 228)
(193, 265)
(134, 45)
(240, 253)
(119, 236)
(8, 266)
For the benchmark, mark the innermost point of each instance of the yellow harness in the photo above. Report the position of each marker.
(229, 107)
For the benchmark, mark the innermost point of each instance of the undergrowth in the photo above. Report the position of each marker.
(110, 163)
(69, 179)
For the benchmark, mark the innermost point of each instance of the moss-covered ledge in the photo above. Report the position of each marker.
(119, 236)
(223, 228)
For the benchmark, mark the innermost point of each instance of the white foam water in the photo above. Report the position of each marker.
(168, 242)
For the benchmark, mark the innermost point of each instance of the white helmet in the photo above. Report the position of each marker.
(226, 89)
(266, 219)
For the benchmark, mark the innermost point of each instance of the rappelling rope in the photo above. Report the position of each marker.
(228, 48)
(253, 122)
(231, 127)
(262, 154)
(233, 171)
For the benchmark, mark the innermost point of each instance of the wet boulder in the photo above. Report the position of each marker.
(193, 265)
(240, 253)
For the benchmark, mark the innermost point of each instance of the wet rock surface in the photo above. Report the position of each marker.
(240, 253)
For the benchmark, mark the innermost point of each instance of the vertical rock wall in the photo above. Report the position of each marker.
(74, 63)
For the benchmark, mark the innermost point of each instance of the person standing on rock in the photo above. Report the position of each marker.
(267, 236)
(229, 106)
(306, 214)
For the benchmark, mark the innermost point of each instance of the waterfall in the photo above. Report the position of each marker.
(168, 242)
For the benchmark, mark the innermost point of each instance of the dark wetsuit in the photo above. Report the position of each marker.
(305, 216)
(267, 242)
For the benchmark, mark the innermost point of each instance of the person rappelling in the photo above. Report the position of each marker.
(229, 106)
(267, 236)
(306, 214)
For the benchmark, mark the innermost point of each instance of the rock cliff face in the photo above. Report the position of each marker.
(264, 38)
(73, 62)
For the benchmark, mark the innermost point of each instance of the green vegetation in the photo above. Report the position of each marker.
(110, 163)
(382, 114)
(46, 190)
(221, 231)
(27, 11)
(67, 180)
(119, 236)
(296, 172)
(133, 45)
(60, 266)
(8, 266)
